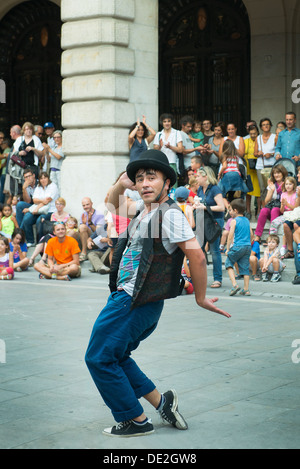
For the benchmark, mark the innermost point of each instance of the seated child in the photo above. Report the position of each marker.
(225, 234)
(288, 200)
(181, 197)
(238, 246)
(14, 202)
(193, 186)
(254, 260)
(271, 262)
(8, 222)
(6, 260)
(185, 272)
(196, 163)
(19, 249)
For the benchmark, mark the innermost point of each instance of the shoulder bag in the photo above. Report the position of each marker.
(17, 159)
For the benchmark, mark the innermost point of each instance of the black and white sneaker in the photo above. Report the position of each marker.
(169, 413)
(276, 277)
(129, 428)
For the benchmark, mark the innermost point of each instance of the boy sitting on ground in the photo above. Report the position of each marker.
(63, 256)
(271, 263)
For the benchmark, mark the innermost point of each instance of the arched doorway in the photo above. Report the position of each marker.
(205, 60)
(30, 55)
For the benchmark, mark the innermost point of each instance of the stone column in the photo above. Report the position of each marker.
(274, 54)
(97, 63)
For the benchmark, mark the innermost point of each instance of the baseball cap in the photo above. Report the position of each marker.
(181, 193)
(48, 125)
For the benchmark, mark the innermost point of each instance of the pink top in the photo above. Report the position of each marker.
(290, 198)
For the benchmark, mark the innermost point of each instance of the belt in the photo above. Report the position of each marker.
(54, 169)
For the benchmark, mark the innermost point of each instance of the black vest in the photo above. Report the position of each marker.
(159, 273)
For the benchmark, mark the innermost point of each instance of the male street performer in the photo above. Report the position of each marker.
(146, 270)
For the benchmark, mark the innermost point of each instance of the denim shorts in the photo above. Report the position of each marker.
(239, 255)
(290, 224)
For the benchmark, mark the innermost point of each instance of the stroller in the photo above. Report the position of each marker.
(289, 165)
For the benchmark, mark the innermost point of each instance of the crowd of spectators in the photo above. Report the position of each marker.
(253, 177)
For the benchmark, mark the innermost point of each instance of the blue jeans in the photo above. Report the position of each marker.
(116, 333)
(19, 211)
(297, 262)
(216, 256)
(27, 223)
(2, 182)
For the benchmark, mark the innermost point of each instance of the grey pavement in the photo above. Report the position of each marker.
(237, 379)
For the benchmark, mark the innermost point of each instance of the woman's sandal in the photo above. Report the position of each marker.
(288, 255)
(245, 292)
(234, 290)
(216, 284)
(256, 278)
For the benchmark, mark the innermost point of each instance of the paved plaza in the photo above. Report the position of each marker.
(238, 379)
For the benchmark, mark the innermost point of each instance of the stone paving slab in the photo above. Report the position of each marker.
(237, 384)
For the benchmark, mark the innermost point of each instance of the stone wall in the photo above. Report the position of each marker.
(109, 70)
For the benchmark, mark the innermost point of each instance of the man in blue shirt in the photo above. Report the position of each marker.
(288, 144)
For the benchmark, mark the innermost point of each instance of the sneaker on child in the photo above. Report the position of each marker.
(276, 277)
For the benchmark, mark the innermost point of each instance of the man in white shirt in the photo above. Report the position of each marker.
(169, 141)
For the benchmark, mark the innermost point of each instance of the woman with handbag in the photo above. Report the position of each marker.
(251, 169)
(29, 147)
(272, 200)
(210, 197)
(264, 151)
(58, 216)
(44, 197)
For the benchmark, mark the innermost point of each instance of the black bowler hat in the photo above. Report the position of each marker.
(152, 159)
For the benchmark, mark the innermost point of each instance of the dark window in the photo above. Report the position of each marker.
(205, 60)
(30, 56)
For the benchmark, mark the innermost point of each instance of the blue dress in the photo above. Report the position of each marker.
(136, 149)
(232, 181)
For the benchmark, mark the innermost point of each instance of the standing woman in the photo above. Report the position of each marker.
(214, 144)
(30, 147)
(251, 169)
(236, 139)
(211, 196)
(56, 157)
(264, 151)
(140, 136)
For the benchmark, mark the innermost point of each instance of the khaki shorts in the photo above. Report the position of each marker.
(74, 276)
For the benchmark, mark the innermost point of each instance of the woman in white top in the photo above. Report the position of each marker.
(236, 139)
(169, 141)
(45, 194)
(29, 146)
(264, 151)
